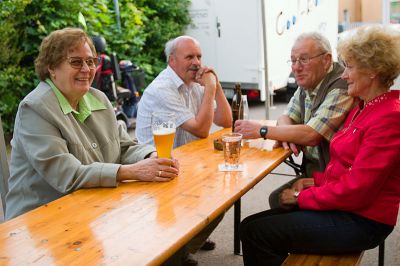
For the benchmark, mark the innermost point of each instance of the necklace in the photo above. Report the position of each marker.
(377, 99)
(368, 104)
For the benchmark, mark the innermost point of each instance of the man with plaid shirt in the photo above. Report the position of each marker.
(315, 112)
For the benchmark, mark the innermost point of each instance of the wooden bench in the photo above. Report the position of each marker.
(332, 260)
(327, 260)
(321, 260)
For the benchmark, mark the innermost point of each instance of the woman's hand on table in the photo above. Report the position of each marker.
(151, 169)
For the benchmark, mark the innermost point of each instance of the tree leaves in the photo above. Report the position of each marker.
(146, 25)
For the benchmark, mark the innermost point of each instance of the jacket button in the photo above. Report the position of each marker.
(94, 145)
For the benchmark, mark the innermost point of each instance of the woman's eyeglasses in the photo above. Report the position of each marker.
(77, 62)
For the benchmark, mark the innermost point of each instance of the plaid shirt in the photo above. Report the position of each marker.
(327, 120)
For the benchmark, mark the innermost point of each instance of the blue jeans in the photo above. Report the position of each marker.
(269, 236)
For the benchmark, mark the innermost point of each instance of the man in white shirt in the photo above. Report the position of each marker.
(193, 93)
(187, 89)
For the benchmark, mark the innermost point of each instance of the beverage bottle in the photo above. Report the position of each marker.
(246, 110)
(237, 107)
(246, 113)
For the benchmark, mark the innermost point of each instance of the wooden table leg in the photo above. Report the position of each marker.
(236, 223)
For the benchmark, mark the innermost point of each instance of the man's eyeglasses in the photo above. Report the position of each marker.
(77, 62)
(303, 60)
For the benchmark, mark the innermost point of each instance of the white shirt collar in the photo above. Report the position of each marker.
(178, 82)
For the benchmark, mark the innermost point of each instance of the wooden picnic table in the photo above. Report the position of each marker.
(137, 223)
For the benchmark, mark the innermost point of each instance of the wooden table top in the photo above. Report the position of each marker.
(137, 223)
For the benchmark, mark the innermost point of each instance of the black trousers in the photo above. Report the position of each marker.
(269, 236)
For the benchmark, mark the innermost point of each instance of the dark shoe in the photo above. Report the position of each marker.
(188, 260)
(208, 245)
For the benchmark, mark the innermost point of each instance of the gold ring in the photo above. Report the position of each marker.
(159, 173)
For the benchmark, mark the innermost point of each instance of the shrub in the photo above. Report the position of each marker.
(145, 27)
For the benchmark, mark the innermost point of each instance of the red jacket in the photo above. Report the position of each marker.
(363, 176)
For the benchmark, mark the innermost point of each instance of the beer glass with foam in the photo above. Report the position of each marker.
(163, 128)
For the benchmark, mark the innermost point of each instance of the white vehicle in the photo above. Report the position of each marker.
(233, 33)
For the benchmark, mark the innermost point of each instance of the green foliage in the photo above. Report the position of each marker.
(145, 27)
(167, 20)
(15, 83)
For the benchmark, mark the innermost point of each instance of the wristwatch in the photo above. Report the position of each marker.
(263, 132)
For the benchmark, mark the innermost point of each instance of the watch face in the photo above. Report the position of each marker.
(263, 131)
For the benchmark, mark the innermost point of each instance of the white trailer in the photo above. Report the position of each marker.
(233, 33)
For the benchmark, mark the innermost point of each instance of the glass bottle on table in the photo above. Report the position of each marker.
(245, 113)
(237, 107)
(246, 110)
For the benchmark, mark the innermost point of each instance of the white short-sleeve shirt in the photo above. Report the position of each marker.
(168, 93)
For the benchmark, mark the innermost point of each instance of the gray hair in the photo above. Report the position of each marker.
(170, 46)
(321, 40)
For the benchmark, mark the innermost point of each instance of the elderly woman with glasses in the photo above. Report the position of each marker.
(66, 136)
(352, 205)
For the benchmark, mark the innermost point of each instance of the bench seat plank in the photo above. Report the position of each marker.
(321, 260)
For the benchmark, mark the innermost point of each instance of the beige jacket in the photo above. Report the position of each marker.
(54, 154)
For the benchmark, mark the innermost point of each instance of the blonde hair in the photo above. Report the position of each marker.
(373, 48)
(54, 49)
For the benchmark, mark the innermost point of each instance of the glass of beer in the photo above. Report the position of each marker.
(163, 128)
(232, 144)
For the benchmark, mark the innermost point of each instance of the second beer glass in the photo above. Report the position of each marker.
(163, 128)
(232, 145)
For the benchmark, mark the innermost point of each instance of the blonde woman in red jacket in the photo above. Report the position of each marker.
(353, 204)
